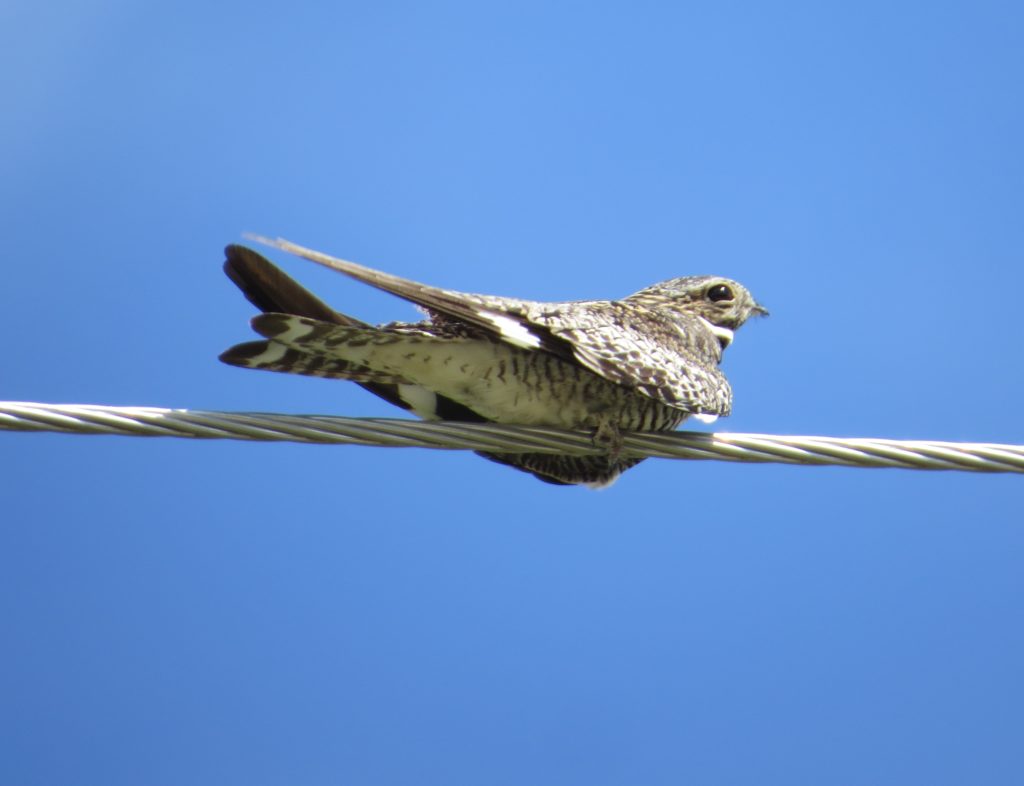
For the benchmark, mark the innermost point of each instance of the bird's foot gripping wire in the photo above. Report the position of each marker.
(608, 437)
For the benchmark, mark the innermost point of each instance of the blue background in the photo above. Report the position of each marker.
(217, 613)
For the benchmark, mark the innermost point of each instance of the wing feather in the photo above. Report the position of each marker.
(496, 316)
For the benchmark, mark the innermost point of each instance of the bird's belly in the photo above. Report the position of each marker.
(515, 386)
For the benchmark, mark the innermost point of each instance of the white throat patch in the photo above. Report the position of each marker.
(723, 334)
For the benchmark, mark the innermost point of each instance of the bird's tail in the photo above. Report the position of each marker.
(271, 290)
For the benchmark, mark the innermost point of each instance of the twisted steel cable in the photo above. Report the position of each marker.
(449, 435)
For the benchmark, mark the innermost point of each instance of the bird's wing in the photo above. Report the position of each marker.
(674, 362)
(503, 318)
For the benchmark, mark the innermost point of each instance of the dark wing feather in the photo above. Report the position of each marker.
(269, 289)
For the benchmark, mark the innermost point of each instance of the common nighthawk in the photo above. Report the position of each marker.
(645, 362)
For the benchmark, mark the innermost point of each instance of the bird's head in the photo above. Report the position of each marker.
(720, 301)
(724, 303)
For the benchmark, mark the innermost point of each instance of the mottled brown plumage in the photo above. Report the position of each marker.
(645, 362)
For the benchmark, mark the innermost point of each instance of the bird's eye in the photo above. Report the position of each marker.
(719, 292)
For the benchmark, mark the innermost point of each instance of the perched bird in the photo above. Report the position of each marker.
(645, 362)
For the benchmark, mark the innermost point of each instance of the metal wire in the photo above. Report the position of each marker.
(448, 435)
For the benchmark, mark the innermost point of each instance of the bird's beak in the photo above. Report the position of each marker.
(760, 310)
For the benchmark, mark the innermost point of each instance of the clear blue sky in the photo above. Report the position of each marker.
(225, 613)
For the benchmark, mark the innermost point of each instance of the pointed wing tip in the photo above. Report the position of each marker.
(281, 244)
(263, 240)
(357, 271)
